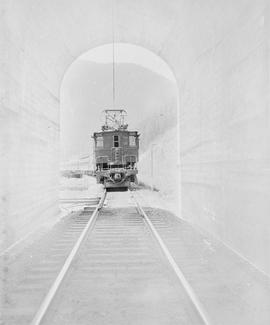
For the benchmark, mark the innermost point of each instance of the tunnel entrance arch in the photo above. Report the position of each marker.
(146, 87)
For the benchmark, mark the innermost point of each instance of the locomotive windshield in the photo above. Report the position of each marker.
(100, 141)
(132, 141)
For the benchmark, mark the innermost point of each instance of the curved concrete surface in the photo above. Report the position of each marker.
(219, 53)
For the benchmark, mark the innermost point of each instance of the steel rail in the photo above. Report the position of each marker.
(193, 297)
(53, 290)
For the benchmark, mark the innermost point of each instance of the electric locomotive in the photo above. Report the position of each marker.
(116, 152)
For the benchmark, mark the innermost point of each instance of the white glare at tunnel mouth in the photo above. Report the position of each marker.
(129, 53)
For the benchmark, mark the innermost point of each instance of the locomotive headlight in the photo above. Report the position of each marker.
(117, 176)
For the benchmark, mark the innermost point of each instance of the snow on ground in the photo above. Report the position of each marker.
(86, 188)
(159, 200)
(74, 192)
(79, 190)
(79, 187)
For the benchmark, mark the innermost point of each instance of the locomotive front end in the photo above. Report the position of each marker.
(116, 152)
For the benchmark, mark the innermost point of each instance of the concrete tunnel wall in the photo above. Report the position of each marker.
(219, 52)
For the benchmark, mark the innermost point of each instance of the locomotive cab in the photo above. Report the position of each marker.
(116, 152)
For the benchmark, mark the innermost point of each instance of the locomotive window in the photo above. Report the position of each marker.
(99, 142)
(115, 141)
(125, 141)
(132, 141)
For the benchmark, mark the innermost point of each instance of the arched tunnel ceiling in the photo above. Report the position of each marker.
(56, 32)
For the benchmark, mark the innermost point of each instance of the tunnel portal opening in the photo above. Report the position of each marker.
(144, 85)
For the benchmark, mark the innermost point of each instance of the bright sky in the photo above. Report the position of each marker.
(128, 53)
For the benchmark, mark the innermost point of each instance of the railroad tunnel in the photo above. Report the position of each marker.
(145, 86)
(219, 54)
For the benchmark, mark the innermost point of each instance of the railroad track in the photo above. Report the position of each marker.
(27, 275)
(120, 271)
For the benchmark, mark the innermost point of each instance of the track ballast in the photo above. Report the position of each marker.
(121, 275)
